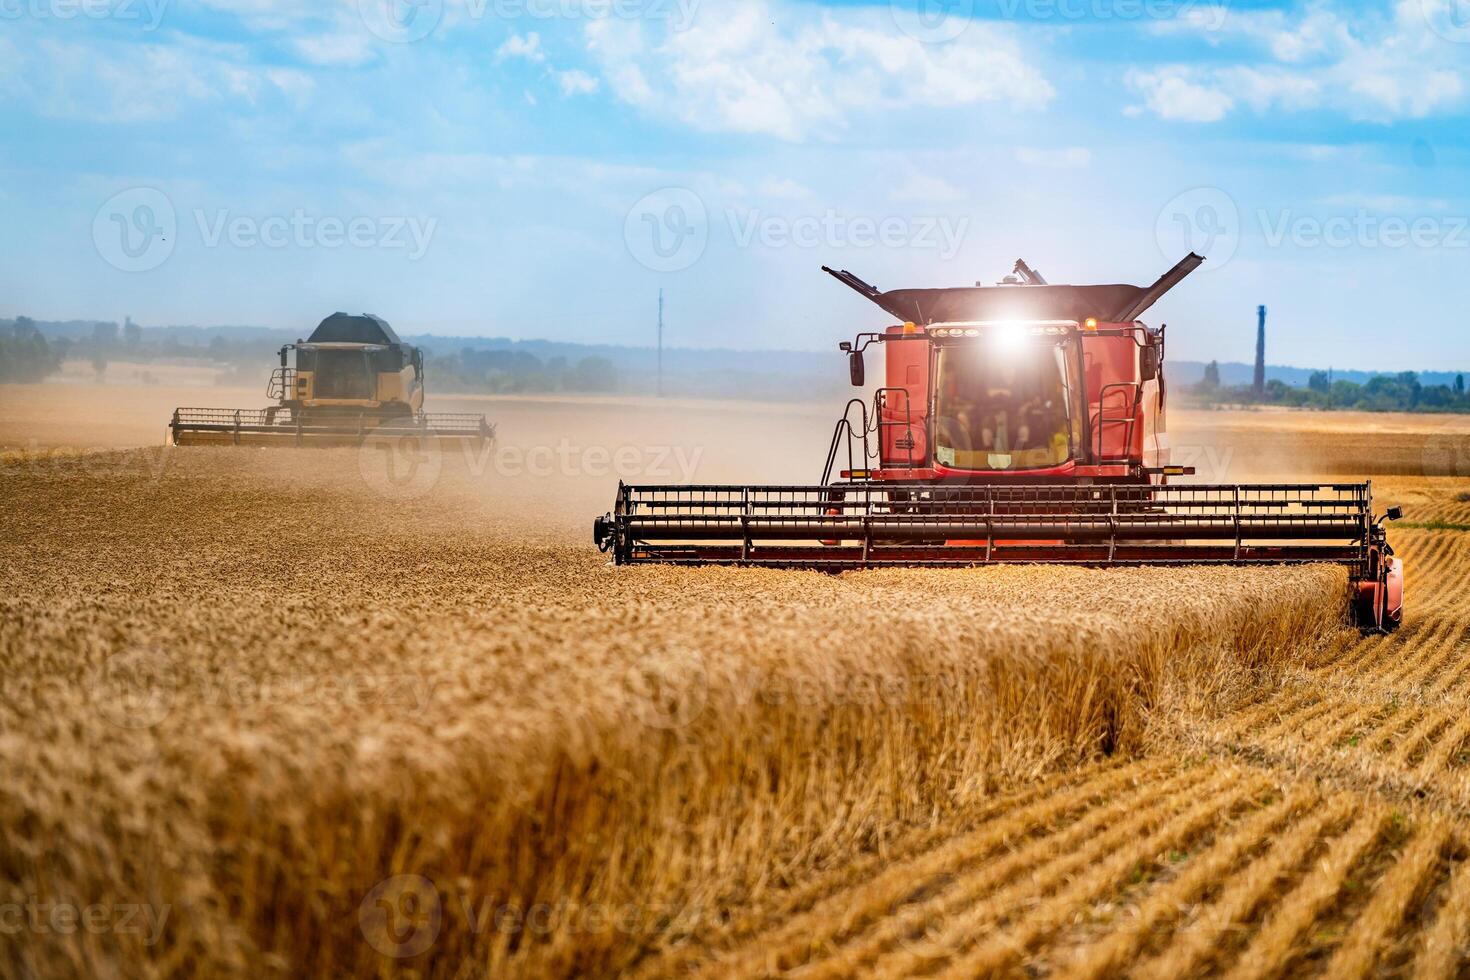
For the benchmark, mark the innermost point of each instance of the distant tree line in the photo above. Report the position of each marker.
(1382, 393)
(517, 372)
(25, 355)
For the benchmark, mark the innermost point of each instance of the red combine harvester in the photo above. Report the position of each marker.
(1022, 422)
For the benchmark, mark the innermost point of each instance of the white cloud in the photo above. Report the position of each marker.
(1063, 158)
(920, 188)
(329, 35)
(335, 50)
(1173, 93)
(1370, 67)
(135, 83)
(575, 82)
(525, 47)
(747, 68)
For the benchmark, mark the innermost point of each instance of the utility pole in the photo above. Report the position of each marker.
(1259, 382)
(660, 343)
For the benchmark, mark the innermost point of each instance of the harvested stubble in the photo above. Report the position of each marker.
(357, 688)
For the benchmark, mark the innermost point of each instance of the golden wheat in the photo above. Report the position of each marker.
(320, 725)
(358, 687)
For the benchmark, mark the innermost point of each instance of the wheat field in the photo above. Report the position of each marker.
(289, 718)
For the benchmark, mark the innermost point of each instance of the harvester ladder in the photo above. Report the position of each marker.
(1132, 394)
(869, 426)
(880, 402)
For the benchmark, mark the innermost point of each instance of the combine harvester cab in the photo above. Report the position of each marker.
(352, 380)
(1023, 422)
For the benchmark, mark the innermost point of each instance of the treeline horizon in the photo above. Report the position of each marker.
(1401, 392)
(32, 350)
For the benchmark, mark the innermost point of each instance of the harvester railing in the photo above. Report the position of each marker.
(282, 384)
(868, 426)
(870, 524)
(1127, 417)
(284, 423)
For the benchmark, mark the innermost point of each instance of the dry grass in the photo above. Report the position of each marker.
(589, 770)
(1321, 830)
(356, 688)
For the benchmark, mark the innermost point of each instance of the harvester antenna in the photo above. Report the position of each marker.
(1027, 275)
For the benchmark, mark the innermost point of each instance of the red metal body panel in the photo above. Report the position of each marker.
(903, 413)
(1125, 413)
(1115, 395)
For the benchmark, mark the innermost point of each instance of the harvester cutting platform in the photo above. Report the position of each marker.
(351, 380)
(1023, 422)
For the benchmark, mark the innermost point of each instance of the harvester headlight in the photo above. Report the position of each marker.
(972, 332)
(1008, 337)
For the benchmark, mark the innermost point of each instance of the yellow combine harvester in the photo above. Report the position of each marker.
(351, 380)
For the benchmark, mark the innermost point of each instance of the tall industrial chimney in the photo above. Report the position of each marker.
(1259, 382)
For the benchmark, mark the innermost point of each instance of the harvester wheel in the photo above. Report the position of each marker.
(1370, 610)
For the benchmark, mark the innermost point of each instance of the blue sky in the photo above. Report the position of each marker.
(540, 168)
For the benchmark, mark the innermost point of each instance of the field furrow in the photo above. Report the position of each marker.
(1128, 935)
(1443, 950)
(1373, 932)
(1213, 928)
(1035, 922)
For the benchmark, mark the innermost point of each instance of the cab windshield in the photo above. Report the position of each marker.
(343, 374)
(1005, 407)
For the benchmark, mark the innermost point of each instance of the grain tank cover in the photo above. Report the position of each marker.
(346, 328)
(972, 303)
(1111, 303)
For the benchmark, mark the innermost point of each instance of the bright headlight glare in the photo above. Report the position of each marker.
(1007, 338)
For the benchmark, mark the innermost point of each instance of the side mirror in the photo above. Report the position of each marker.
(1148, 363)
(855, 369)
(1394, 513)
